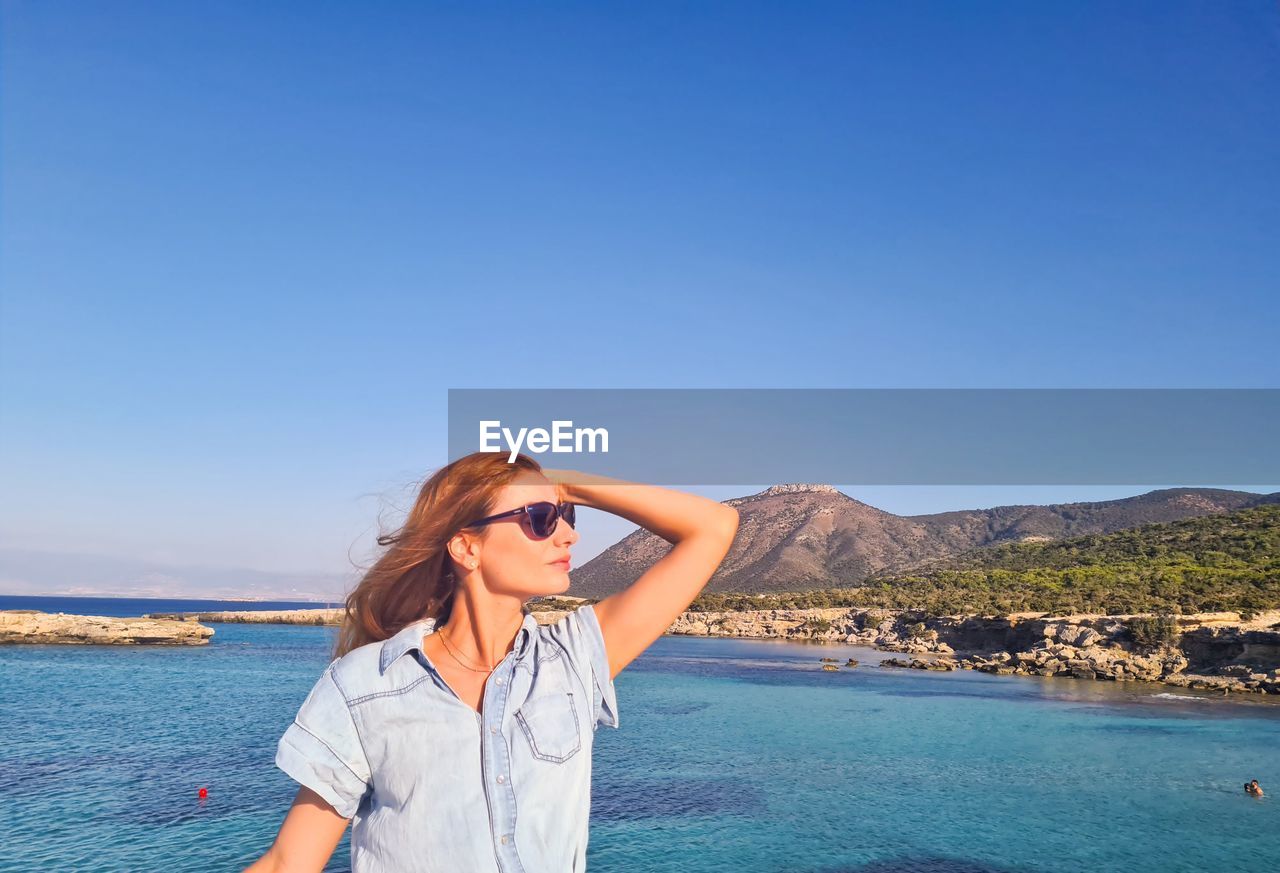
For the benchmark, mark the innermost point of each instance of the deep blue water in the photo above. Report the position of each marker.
(733, 755)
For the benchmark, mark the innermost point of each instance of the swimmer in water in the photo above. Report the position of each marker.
(1254, 788)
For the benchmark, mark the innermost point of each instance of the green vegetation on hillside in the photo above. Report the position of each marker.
(1228, 562)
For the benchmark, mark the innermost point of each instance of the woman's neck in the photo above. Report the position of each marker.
(482, 627)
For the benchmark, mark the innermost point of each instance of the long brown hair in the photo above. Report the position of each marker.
(414, 578)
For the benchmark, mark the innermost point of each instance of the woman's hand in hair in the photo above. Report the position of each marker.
(568, 481)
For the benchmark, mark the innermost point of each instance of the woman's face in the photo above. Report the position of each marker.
(511, 561)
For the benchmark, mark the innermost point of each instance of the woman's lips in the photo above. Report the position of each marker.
(561, 565)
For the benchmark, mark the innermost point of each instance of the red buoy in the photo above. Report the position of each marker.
(204, 792)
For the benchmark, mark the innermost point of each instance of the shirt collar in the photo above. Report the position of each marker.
(410, 639)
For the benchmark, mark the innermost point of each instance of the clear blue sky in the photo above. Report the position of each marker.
(246, 247)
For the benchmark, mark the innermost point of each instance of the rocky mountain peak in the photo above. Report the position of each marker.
(799, 488)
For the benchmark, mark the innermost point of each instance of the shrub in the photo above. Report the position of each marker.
(1158, 630)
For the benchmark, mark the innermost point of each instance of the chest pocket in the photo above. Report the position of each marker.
(550, 722)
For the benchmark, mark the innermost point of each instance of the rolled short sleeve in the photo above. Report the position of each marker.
(322, 748)
(579, 632)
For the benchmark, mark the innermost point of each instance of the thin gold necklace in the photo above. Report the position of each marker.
(445, 640)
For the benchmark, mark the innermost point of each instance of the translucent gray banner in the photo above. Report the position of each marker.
(899, 436)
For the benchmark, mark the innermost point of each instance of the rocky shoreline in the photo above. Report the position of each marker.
(1216, 651)
(44, 628)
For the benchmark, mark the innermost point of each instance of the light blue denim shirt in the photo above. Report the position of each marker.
(434, 786)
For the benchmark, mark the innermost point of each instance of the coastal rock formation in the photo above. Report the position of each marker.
(30, 626)
(1209, 653)
(1208, 647)
(791, 624)
(946, 664)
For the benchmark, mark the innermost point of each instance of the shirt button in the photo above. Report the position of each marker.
(493, 730)
(499, 680)
(501, 779)
(504, 839)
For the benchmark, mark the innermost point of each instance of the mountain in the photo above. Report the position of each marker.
(805, 537)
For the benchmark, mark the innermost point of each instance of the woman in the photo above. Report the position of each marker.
(453, 729)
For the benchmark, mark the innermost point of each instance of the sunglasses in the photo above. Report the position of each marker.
(543, 517)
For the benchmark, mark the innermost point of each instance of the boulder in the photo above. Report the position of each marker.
(1173, 662)
(1068, 634)
(1088, 637)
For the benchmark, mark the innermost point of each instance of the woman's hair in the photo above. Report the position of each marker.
(414, 579)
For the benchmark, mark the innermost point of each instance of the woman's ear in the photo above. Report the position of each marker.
(461, 547)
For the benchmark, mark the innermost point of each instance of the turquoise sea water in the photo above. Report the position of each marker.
(733, 755)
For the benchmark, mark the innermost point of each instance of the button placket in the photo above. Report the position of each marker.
(502, 800)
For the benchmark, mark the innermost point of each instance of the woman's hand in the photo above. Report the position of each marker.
(567, 484)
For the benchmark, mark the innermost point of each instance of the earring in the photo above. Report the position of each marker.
(472, 565)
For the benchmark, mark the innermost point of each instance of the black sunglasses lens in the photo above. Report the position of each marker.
(542, 518)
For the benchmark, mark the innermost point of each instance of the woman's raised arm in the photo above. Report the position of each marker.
(700, 529)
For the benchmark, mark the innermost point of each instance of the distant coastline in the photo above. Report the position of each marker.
(126, 607)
